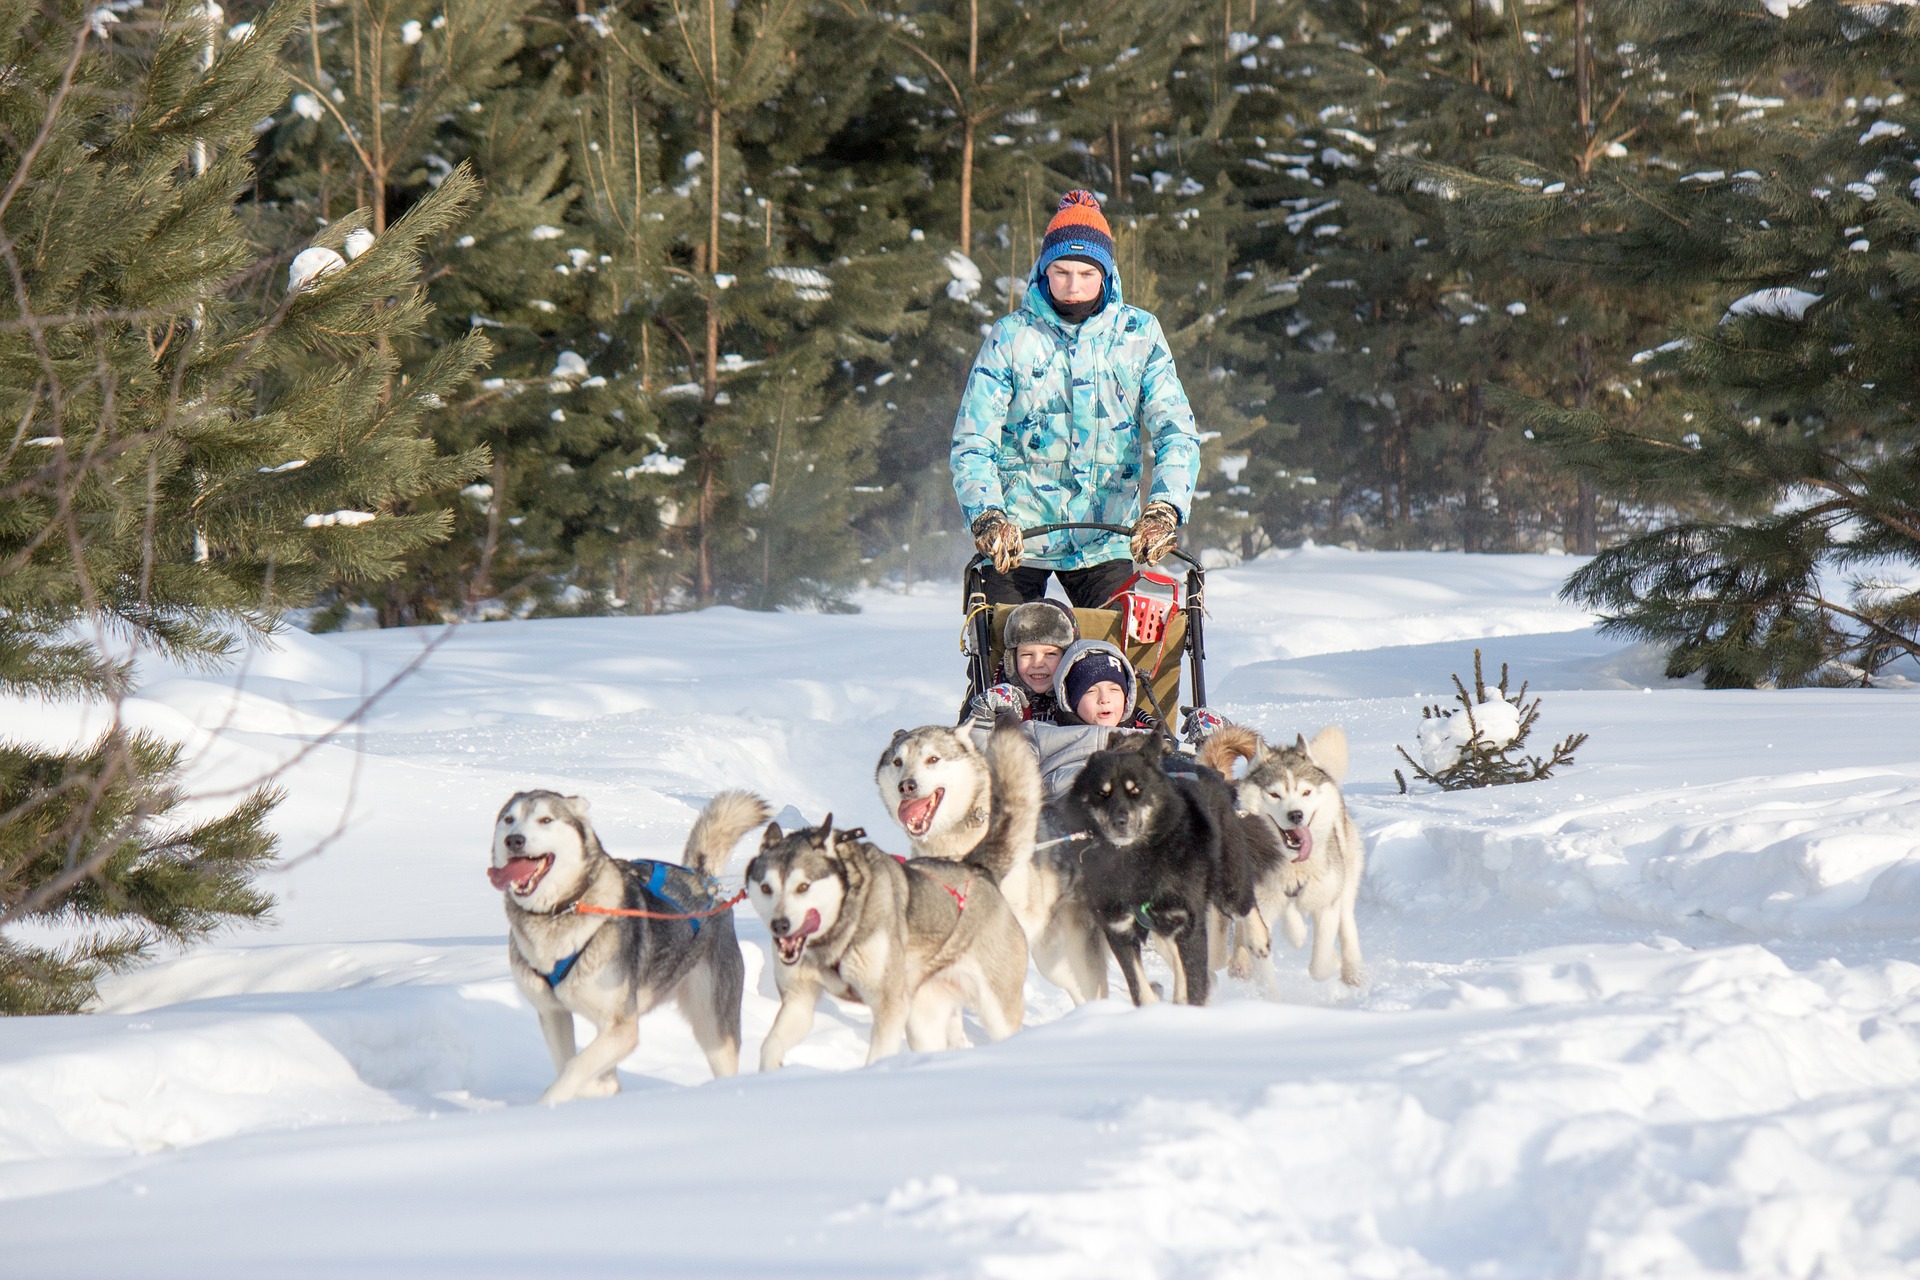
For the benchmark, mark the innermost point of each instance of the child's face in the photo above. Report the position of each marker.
(1104, 704)
(1035, 664)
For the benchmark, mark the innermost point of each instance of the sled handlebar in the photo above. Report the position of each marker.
(981, 561)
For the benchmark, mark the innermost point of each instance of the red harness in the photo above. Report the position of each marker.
(959, 895)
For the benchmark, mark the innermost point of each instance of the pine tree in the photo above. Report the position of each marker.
(1785, 466)
(183, 466)
(392, 94)
(1424, 144)
(790, 273)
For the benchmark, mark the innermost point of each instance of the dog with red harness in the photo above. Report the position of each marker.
(913, 940)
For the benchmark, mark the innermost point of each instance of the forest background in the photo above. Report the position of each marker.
(734, 258)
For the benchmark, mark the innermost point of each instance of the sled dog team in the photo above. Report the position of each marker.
(1146, 847)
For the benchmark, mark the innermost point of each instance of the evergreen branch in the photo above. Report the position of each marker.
(315, 92)
(47, 122)
(1893, 637)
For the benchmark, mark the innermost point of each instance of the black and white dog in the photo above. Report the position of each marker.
(1164, 845)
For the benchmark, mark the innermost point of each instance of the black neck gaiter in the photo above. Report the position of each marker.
(1073, 312)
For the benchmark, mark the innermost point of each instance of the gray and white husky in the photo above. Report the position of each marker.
(611, 970)
(1297, 789)
(913, 941)
(956, 799)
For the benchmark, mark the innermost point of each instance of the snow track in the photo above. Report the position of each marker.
(1659, 1016)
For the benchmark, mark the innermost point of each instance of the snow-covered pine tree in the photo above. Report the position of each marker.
(391, 95)
(787, 285)
(1426, 146)
(1787, 459)
(1187, 213)
(182, 466)
(1559, 107)
(1387, 333)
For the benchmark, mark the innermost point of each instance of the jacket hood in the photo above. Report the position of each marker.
(1075, 652)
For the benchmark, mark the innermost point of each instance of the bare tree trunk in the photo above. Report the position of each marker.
(967, 128)
(482, 585)
(966, 187)
(1583, 73)
(1585, 522)
(712, 268)
(705, 552)
(1473, 523)
(1474, 75)
(1403, 501)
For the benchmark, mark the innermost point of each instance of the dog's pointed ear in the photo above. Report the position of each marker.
(899, 736)
(773, 836)
(1300, 745)
(823, 834)
(579, 805)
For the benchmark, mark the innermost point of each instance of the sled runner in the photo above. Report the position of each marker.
(1154, 617)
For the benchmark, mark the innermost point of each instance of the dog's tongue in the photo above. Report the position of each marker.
(917, 814)
(516, 869)
(810, 925)
(1305, 835)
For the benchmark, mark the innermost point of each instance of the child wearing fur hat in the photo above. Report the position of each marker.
(1049, 426)
(1033, 637)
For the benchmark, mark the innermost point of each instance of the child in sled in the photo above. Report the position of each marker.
(1094, 691)
(1033, 639)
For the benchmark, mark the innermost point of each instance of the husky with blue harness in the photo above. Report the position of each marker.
(612, 940)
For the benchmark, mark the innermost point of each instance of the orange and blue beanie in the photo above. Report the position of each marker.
(1079, 230)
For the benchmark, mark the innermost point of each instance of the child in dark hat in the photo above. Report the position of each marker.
(1095, 687)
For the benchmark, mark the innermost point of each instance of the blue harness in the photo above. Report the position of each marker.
(657, 886)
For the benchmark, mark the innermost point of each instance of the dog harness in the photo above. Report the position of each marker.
(657, 886)
(565, 967)
(959, 895)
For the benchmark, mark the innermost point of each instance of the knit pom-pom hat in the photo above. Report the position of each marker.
(1079, 230)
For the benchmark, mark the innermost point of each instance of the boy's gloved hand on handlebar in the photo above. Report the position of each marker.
(995, 535)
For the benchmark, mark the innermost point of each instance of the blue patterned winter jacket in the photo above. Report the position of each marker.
(1049, 426)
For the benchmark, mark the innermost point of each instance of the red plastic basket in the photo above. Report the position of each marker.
(1148, 600)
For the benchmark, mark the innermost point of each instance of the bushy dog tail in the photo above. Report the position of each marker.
(727, 817)
(1016, 801)
(1230, 742)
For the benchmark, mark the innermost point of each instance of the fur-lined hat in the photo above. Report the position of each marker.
(1040, 622)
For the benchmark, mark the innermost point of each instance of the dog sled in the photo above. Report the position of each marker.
(1155, 618)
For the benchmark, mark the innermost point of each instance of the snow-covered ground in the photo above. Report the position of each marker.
(1659, 1016)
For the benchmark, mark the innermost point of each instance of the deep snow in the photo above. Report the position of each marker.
(1659, 1016)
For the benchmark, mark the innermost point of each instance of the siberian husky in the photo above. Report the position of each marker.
(913, 941)
(611, 970)
(956, 800)
(1297, 789)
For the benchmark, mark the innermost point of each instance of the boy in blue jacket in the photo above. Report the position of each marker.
(1050, 423)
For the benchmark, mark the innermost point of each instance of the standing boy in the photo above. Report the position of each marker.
(1049, 427)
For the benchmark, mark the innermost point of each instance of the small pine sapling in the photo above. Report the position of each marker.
(1479, 745)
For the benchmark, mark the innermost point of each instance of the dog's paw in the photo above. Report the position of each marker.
(1353, 975)
(1240, 964)
(603, 1087)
